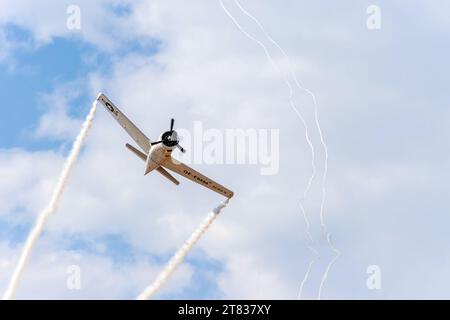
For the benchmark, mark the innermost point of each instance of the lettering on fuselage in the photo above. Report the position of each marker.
(195, 177)
(219, 190)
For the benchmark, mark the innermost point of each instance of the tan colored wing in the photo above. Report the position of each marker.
(196, 176)
(140, 138)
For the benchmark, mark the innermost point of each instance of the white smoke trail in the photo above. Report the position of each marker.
(291, 92)
(309, 92)
(324, 177)
(316, 108)
(51, 208)
(319, 129)
(178, 258)
(308, 271)
(311, 249)
(327, 270)
(291, 102)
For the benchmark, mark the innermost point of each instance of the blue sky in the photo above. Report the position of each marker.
(383, 109)
(39, 70)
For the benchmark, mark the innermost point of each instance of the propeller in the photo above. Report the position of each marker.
(181, 148)
(172, 123)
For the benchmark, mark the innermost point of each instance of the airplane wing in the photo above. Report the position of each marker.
(196, 176)
(140, 138)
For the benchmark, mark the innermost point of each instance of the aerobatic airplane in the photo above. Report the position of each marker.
(158, 154)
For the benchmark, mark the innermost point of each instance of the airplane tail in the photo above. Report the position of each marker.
(159, 169)
(167, 175)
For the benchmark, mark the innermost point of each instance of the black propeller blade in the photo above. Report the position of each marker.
(168, 136)
(181, 148)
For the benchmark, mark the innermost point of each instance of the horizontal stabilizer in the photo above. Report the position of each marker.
(167, 175)
(136, 152)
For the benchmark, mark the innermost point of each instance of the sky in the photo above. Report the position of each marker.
(382, 114)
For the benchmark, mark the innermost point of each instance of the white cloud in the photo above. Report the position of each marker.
(56, 123)
(100, 26)
(47, 275)
(27, 181)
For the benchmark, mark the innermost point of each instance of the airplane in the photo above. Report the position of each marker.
(158, 155)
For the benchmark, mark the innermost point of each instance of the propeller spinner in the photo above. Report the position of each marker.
(170, 138)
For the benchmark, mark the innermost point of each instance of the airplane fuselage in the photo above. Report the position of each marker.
(157, 155)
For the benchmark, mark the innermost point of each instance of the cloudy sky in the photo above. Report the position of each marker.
(382, 106)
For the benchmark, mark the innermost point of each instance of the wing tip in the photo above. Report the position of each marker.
(99, 96)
